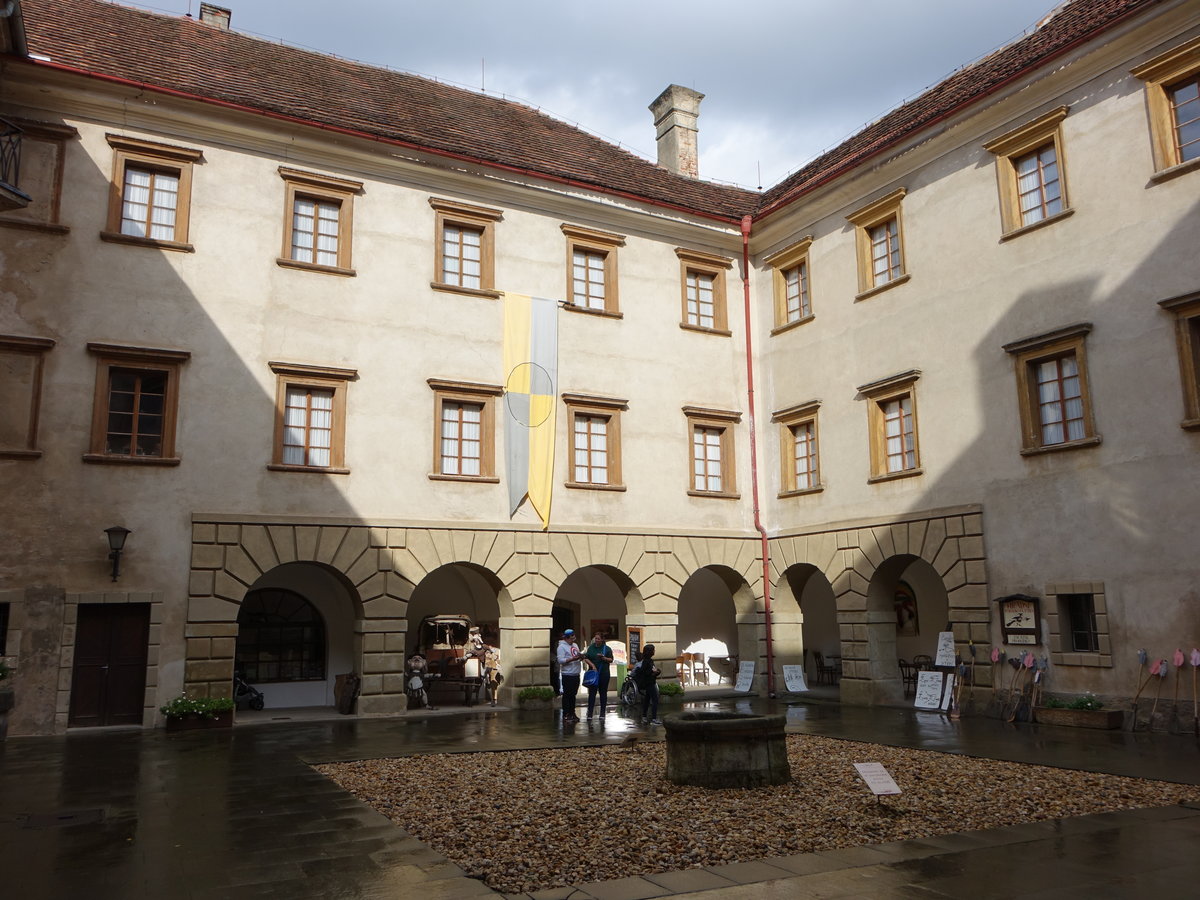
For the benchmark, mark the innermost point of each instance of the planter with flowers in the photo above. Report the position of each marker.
(185, 713)
(535, 697)
(1082, 712)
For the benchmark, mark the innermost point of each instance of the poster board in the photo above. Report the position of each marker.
(634, 633)
(929, 690)
(745, 679)
(793, 677)
(945, 649)
(948, 692)
(878, 779)
(620, 657)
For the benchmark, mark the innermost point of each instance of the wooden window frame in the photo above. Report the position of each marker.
(878, 394)
(609, 409)
(484, 395)
(56, 136)
(1186, 310)
(695, 261)
(1059, 631)
(1160, 74)
(781, 263)
(321, 188)
(1027, 354)
(326, 378)
(1015, 145)
(788, 420)
(588, 240)
(116, 356)
(135, 153)
(724, 420)
(480, 218)
(873, 214)
(36, 349)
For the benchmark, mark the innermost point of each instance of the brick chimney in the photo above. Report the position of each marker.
(216, 16)
(675, 112)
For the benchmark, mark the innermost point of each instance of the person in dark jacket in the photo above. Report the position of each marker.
(645, 676)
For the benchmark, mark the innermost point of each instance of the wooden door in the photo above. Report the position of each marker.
(109, 680)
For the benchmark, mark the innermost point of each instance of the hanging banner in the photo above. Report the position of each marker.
(530, 387)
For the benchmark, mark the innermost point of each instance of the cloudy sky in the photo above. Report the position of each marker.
(783, 79)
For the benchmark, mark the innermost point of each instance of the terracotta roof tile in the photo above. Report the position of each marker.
(180, 54)
(1078, 21)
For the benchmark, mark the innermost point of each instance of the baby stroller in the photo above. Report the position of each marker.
(246, 693)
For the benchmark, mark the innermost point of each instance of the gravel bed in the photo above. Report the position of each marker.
(532, 819)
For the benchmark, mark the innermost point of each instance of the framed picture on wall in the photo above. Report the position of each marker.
(606, 627)
(905, 603)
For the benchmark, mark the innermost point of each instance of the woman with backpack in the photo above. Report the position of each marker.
(600, 657)
(645, 676)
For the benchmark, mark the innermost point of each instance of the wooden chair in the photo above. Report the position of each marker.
(923, 661)
(699, 669)
(908, 675)
(826, 674)
(683, 667)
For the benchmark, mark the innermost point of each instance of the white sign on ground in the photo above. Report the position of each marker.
(793, 677)
(745, 679)
(878, 779)
(929, 690)
(948, 692)
(945, 650)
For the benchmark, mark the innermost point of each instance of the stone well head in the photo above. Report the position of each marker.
(718, 749)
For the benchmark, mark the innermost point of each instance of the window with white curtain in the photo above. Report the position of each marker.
(315, 230)
(462, 438)
(148, 203)
(308, 426)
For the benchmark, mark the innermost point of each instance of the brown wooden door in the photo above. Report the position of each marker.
(109, 680)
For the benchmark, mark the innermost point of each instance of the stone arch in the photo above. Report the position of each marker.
(709, 588)
(804, 614)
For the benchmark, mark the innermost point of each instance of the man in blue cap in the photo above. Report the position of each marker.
(569, 668)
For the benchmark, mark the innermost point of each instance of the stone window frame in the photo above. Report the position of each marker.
(36, 348)
(1027, 354)
(876, 213)
(117, 356)
(1159, 75)
(483, 395)
(722, 420)
(56, 136)
(609, 409)
(788, 420)
(589, 240)
(326, 378)
(791, 257)
(698, 262)
(877, 394)
(141, 154)
(301, 185)
(1186, 310)
(1009, 148)
(1060, 652)
(478, 218)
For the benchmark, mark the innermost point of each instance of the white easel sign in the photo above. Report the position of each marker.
(945, 649)
(948, 693)
(745, 679)
(878, 779)
(793, 677)
(929, 690)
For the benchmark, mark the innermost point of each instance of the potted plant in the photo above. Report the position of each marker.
(535, 697)
(1086, 711)
(669, 690)
(184, 712)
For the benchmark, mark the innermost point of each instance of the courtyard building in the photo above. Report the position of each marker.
(342, 348)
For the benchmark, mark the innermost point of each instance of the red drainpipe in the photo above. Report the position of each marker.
(747, 223)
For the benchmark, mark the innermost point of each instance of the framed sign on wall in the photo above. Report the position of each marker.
(1019, 616)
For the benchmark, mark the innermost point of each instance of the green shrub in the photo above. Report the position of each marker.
(1087, 701)
(1054, 703)
(208, 707)
(5, 671)
(535, 692)
(670, 689)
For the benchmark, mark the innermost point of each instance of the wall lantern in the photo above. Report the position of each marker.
(116, 543)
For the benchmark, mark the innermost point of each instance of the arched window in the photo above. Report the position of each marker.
(281, 637)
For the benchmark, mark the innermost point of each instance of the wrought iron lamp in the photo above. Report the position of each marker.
(116, 543)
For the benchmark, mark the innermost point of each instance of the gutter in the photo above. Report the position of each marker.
(747, 224)
(394, 142)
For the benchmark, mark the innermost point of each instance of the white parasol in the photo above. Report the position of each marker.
(710, 647)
